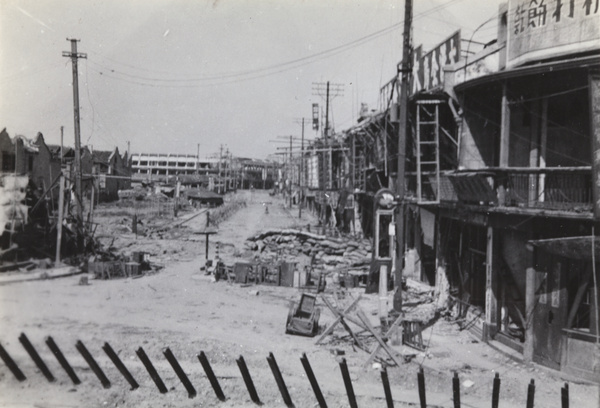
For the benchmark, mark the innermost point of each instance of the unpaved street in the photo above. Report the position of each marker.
(183, 309)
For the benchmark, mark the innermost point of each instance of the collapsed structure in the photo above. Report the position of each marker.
(501, 181)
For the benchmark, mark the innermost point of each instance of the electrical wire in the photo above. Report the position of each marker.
(269, 70)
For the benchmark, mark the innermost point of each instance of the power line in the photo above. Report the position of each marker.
(264, 71)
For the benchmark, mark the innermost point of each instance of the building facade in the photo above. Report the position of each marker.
(500, 190)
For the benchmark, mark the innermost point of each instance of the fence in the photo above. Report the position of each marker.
(150, 207)
(244, 371)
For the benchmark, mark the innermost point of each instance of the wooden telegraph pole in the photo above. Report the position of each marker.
(405, 72)
(74, 55)
(301, 175)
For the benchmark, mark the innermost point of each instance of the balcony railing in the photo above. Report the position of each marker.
(555, 188)
(551, 188)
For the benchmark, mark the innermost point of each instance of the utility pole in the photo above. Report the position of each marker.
(329, 91)
(405, 72)
(74, 55)
(62, 131)
(219, 178)
(301, 175)
(327, 113)
(198, 160)
(290, 172)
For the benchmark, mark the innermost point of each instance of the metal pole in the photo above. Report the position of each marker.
(211, 376)
(36, 357)
(180, 373)
(151, 370)
(12, 366)
(386, 388)
(313, 381)
(248, 380)
(279, 380)
(348, 384)
(62, 360)
(92, 363)
(114, 357)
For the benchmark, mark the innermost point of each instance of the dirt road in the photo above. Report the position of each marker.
(184, 310)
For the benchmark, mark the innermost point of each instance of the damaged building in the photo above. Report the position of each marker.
(500, 200)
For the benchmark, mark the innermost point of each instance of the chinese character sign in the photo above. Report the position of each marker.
(428, 69)
(315, 116)
(541, 29)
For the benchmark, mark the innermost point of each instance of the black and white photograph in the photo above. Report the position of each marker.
(299, 203)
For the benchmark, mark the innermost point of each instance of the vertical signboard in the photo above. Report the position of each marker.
(541, 29)
(428, 70)
(315, 116)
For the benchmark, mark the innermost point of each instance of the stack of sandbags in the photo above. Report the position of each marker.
(344, 251)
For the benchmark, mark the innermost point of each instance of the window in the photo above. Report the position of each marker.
(8, 162)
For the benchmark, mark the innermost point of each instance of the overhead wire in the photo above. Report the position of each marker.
(269, 70)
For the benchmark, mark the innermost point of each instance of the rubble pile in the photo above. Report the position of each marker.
(325, 251)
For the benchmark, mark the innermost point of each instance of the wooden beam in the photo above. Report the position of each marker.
(342, 321)
(389, 333)
(338, 319)
(388, 349)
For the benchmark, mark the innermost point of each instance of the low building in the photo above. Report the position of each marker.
(111, 172)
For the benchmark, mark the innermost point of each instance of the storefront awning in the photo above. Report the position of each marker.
(570, 247)
(541, 68)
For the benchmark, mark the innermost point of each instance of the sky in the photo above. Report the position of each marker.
(182, 76)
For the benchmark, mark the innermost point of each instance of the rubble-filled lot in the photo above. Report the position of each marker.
(176, 305)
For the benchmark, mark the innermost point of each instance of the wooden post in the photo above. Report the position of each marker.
(456, 390)
(491, 301)
(421, 386)
(59, 222)
(504, 140)
(402, 131)
(383, 296)
(529, 307)
(496, 391)
(531, 394)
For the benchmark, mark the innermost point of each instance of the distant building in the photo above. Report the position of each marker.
(112, 173)
(166, 164)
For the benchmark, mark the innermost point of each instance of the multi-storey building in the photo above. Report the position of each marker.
(501, 195)
(166, 164)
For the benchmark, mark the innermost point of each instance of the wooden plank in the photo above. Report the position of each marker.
(389, 333)
(337, 320)
(388, 349)
(341, 317)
